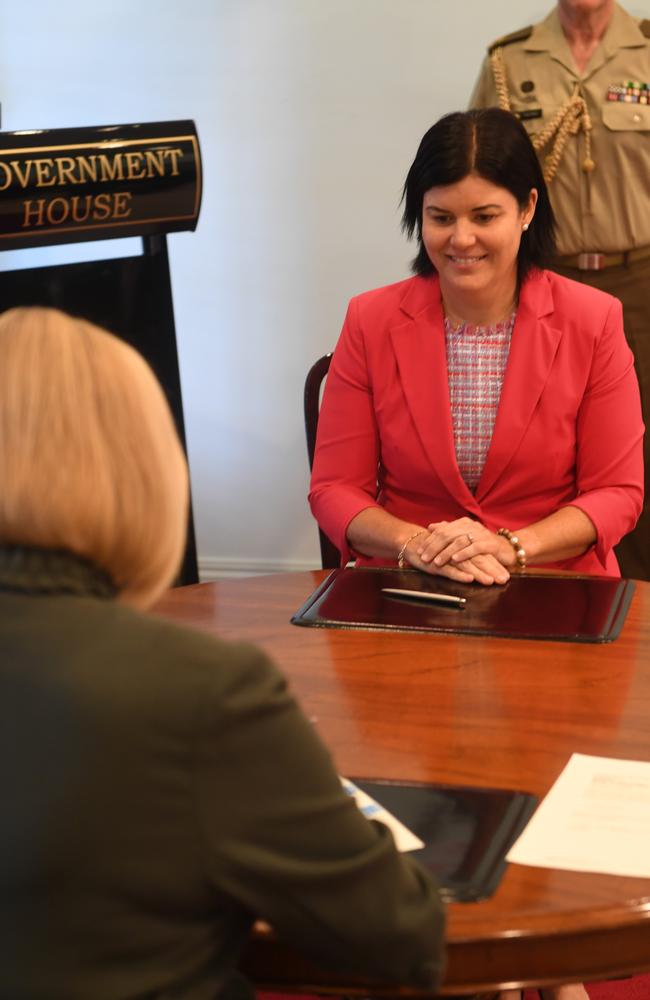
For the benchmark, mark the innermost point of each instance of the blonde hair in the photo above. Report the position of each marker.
(90, 461)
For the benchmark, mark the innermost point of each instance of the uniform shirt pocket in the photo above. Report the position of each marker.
(622, 117)
(531, 114)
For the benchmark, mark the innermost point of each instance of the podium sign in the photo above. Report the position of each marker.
(69, 185)
(75, 185)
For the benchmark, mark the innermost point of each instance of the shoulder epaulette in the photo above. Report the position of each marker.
(515, 36)
(645, 28)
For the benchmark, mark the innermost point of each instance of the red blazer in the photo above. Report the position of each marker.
(568, 428)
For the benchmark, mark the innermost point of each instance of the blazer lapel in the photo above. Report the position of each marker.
(420, 351)
(534, 345)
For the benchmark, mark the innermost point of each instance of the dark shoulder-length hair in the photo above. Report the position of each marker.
(494, 145)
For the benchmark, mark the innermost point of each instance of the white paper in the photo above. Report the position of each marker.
(595, 818)
(404, 839)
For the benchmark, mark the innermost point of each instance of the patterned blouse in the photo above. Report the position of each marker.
(476, 362)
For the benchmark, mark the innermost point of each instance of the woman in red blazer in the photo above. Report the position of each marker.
(484, 414)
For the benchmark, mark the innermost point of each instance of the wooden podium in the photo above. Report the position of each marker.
(75, 185)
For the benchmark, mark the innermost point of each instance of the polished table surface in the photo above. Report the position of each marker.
(463, 710)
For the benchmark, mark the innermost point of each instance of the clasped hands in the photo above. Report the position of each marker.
(463, 550)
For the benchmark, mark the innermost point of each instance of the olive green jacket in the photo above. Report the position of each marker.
(160, 789)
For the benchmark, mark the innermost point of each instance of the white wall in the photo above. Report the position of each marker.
(309, 113)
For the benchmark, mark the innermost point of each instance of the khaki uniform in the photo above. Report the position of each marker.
(604, 210)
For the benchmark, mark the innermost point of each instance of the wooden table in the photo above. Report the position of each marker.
(476, 711)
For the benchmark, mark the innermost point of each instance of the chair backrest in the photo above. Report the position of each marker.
(330, 555)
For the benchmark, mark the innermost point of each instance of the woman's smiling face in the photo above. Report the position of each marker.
(471, 231)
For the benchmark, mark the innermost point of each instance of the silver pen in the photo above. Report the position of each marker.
(425, 595)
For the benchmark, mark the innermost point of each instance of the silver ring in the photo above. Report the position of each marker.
(470, 538)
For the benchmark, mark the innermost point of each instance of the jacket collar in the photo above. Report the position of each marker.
(51, 571)
(419, 345)
(535, 341)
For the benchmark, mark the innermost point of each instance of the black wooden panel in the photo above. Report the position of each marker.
(131, 297)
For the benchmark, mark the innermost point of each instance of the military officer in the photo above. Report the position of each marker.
(580, 83)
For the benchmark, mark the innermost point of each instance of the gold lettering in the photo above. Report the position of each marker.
(4, 184)
(75, 201)
(155, 160)
(44, 176)
(121, 204)
(134, 165)
(87, 168)
(78, 209)
(108, 172)
(174, 155)
(38, 211)
(102, 207)
(23, 178)
(53, 208)
(65, 170)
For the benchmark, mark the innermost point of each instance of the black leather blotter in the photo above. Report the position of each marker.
(467, 832)
(568, 608)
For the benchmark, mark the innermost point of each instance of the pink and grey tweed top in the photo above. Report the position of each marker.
(476, 362)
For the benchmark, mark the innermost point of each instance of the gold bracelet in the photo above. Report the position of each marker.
(520, 552)
(400, 555)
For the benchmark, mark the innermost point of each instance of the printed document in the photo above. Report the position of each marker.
(404, 839)
(595, 818)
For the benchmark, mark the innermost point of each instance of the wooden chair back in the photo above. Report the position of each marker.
(330, 555)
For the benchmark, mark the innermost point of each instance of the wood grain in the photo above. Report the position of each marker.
(463, 710)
